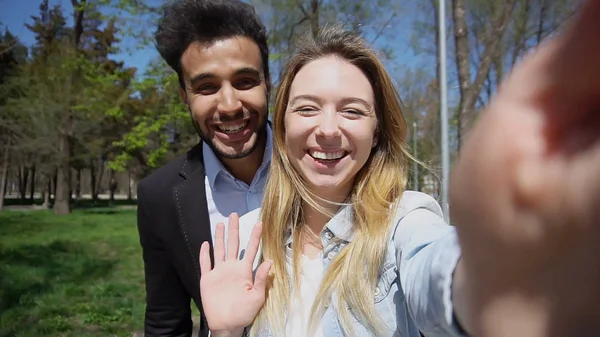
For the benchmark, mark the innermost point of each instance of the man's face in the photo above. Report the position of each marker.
(226, 94)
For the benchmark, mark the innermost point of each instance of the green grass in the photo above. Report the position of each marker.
(75, 275)
(82, 203)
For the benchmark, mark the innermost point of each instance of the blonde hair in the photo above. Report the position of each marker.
(377, 186)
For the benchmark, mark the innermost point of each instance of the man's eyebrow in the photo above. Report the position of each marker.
(200, 77)
(248, 71)
(203, 76)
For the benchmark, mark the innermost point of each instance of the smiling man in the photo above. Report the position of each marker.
(218, 48)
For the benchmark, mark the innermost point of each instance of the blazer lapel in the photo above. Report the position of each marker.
(192, 211)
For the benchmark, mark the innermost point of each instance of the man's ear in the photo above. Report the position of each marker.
(183, 96)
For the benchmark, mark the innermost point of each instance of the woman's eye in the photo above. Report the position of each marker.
(306, 110)
(353, 112)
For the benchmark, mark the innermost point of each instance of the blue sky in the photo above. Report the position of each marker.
(14, 14)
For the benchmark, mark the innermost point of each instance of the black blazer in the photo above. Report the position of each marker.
(173, 222)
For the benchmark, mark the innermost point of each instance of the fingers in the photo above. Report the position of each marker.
(260, 279)
(205, 265)
(219, 244)
(233, 237)
(253, 243)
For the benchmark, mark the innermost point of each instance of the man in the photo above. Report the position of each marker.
(219, 50)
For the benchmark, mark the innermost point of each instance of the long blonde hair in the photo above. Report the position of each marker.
(377, 186)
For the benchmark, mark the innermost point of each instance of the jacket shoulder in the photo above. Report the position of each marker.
(164, 175)
(413, 200)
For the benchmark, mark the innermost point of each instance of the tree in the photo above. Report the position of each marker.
(532, 22)
(288, 20)
(470, 86)
(12, 54)
(155, 126)
(64, 96)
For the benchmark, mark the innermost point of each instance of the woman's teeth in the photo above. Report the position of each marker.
(327, 155)
(232, 128)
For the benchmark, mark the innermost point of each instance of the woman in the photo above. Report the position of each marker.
(352, 253)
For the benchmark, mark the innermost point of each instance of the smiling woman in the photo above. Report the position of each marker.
(350, 252)
(331, 119)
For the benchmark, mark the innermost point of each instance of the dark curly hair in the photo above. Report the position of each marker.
(187, 21)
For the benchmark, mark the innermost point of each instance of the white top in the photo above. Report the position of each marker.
(423, 249)
(311, 274)
(225, 194)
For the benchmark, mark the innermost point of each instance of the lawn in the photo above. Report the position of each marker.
(75, 275)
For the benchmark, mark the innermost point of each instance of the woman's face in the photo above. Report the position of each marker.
(330, 125)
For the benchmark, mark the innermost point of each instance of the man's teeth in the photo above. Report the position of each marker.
(327, 155)
(232, 128)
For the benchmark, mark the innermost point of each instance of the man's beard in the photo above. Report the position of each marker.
(261, 134)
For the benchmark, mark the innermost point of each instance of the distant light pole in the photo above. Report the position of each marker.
(444, 110)
(415, 154)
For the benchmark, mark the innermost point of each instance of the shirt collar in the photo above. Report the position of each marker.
(338, 227)
(213, 166)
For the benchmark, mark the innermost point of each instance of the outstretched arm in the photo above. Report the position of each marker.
(525, 194)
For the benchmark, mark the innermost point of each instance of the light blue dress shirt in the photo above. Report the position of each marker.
(226, 194)
(414, 290)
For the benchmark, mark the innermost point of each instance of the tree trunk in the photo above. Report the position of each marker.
(129, 189)
(112, 182)
(5, 186)
(78, 184)
(23, 174)
(62, 204)
(93, 186)
(99, 180)
(61, 199)
(4, 175)
(54, 182)
(540, 30)
(32, 184)
(314, 18)
(48, 190)
(6, 191)
(470, 88)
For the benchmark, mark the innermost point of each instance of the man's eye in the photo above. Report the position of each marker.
(247, 83)
(207, 89)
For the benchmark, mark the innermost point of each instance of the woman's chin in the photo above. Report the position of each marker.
(329, 188)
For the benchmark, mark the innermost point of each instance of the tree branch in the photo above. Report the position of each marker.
(491, 45)
(383, 27)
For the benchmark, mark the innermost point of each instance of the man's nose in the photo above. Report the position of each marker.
(229, 102)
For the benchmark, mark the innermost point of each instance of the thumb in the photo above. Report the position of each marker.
(262, 273)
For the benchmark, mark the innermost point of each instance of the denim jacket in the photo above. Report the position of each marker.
(414, 289)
